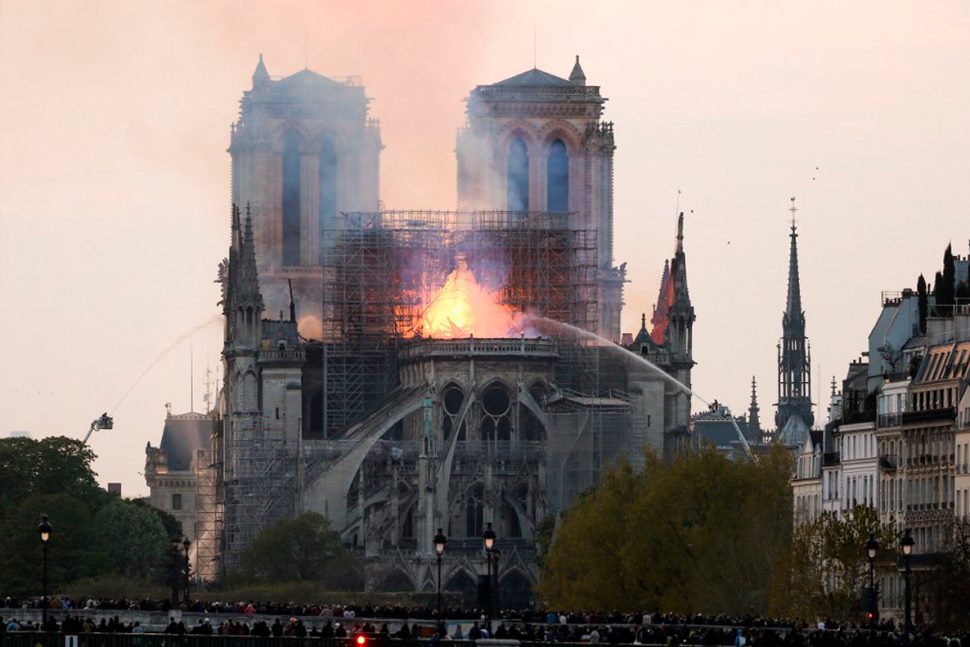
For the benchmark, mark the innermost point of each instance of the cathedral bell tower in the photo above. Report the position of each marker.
(535, 142)
(303, 150)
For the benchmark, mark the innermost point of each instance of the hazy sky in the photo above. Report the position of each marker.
(114, 180)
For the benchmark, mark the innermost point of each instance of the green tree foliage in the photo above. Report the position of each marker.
(948, 589)
(829, 565)
(302, 549)
(72, 552)
(53, 465)
(95, 534)
(699, 534)
(135, 543)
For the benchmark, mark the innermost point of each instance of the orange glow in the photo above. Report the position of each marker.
(463, 307)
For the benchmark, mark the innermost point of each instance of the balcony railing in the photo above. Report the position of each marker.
(854, 417)
(947, 414)
(889, 462)
(889, 420)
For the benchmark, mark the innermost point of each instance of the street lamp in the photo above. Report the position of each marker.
(488, 538)
(439, 548)
(906, 545)
(872, 547)
(185, 544)
(45, 531)
(176, 542)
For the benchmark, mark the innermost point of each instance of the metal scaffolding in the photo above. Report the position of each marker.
(260, 487)
(380, 268)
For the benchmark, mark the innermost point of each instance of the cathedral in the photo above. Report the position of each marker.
(349, 393)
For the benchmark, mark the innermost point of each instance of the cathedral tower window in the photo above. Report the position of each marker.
(291, 198)
(557, 190)
(327, 184)
(518, 176)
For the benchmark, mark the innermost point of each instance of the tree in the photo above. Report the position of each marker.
(945, 284)
(72, 550)
(296, 550)
(52, 465)
(133, 541)
(700, 533)
(922, 302)
(829, 564)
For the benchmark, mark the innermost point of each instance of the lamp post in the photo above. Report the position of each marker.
(872, 547)
(906, 545)
(186, 544)
(439, 548)
(488, 538)
(45, 531)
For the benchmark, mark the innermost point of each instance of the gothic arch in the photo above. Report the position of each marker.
(563, 130)
(292, 146)
(521, 129)
(464, 582)
(337, 138)
(557, 177)
(281, 132)
(516, 589)
(395, 581)
(328, 171)
(518, 179)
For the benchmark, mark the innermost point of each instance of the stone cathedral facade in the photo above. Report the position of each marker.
(465, 431)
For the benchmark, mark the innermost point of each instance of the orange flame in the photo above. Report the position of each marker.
(463, 307)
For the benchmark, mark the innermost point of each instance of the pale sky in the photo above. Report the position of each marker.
(114, 180)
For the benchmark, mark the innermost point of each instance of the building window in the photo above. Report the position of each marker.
(291, 198)
(327, 179)
(176, 502)
(557, 192)
(518, 176)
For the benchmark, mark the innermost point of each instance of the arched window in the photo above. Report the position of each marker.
(327, 179)
(557, 194)
(518, 190)
(291, 198)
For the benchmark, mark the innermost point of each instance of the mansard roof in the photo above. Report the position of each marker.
(945, 363)
(183, 435)
(534, 78)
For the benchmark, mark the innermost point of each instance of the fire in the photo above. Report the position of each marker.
(463, 307)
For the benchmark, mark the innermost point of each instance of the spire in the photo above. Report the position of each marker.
(794, 306)
(289, 282)
(247, 285)
(679, 270)
(260, 75)
(680, 233)
(577, 76)
(794, 362)
(660, 320)
(754, 413)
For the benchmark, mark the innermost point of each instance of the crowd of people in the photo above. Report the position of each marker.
(396, 623)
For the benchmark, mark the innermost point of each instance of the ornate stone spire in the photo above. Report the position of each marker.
(577, 76)
(679, 271)
(659, 321)
(260, 75)
(754, 413)
(794, 360)
(248, 277)
(793, 308)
